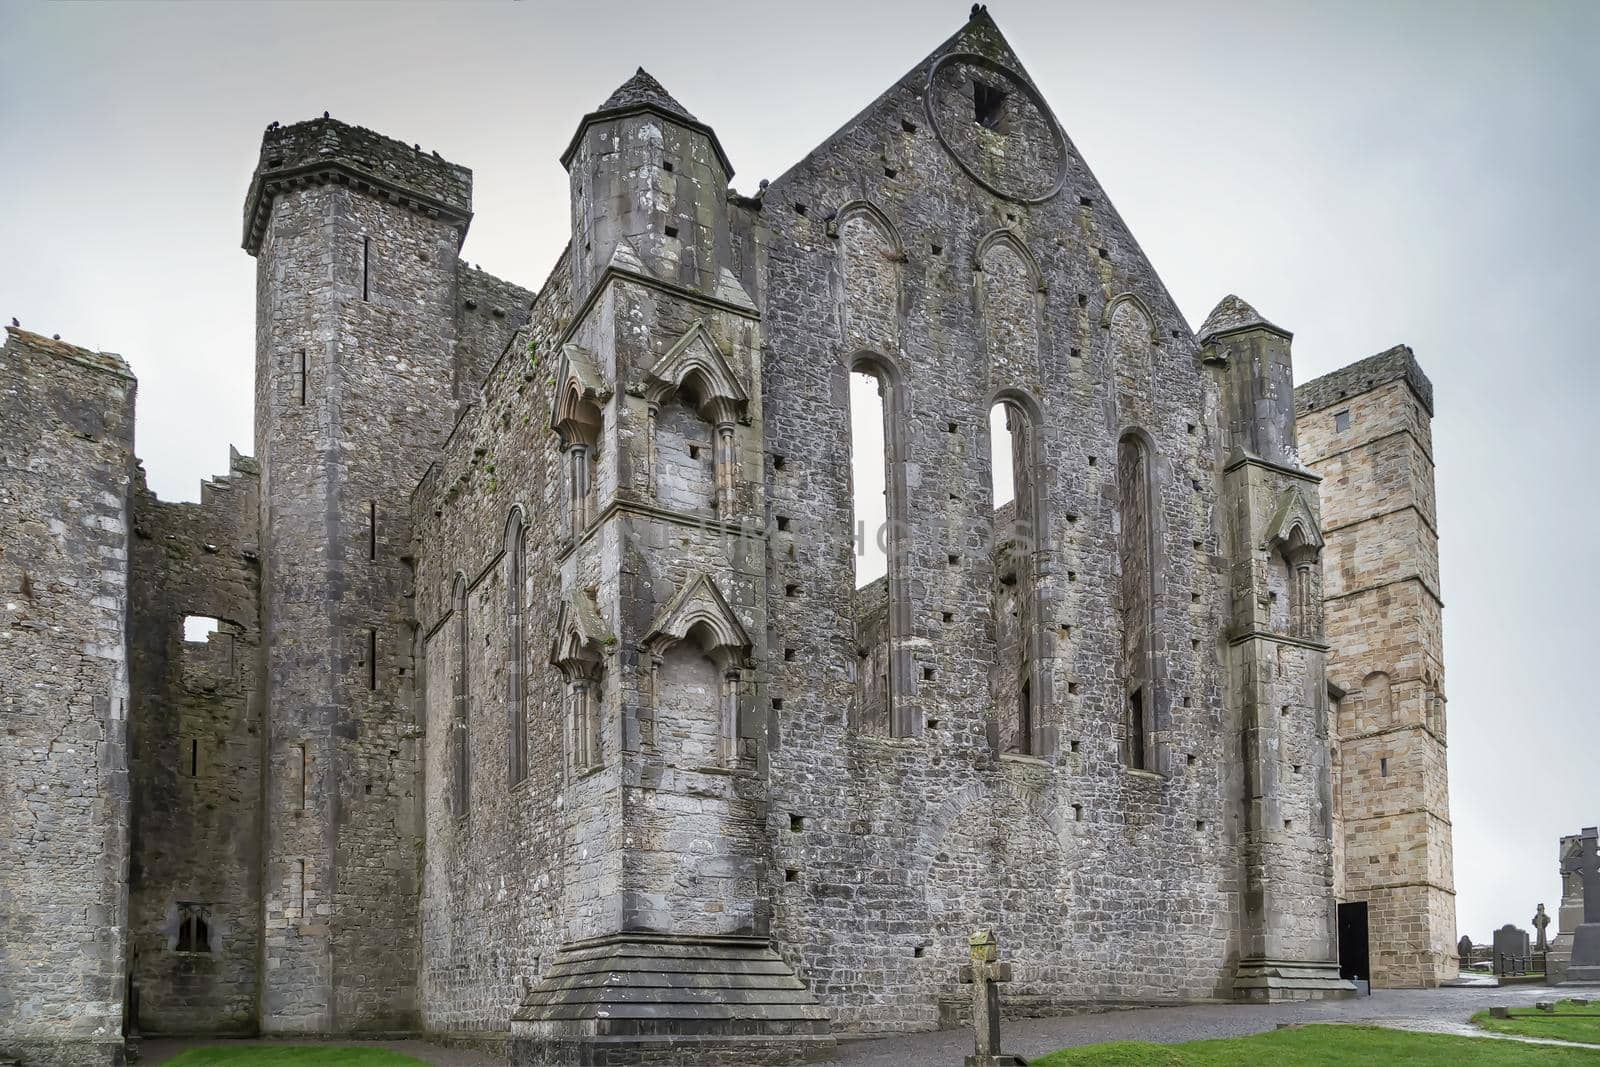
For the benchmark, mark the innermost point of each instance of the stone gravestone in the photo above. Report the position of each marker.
(1540, 921)
(1585, 965)
(1569, 915)
(984, 972)
(1510, 945)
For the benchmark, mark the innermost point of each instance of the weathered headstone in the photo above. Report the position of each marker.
(1510, 950)
(1585, 965)
(984, 973)
(1540, 921)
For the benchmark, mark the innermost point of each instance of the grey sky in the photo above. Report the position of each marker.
(1363, 173)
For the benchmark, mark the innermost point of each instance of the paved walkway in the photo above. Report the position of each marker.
(1433, 1010)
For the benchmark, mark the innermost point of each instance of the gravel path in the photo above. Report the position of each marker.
(1434, 1010)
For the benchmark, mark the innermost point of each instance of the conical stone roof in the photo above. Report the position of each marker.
(1233, 313)
(642, 90)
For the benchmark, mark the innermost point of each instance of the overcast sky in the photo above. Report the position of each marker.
(1363, 173)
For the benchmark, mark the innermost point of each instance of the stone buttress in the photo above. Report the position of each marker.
(657, 407)
(1275, 654)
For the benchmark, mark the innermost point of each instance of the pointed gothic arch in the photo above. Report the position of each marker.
(872, 213)
(578, 652)
(696, 370)
(1295, 537)
(577, 419)
(698, 617)
(1134, 303)
(884, 676)
(1021, 684)
(1010, 239)
(1139, 568)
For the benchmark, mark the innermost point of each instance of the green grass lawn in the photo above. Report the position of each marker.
(1324, 1046)
(290, 1056)
(1567, 1024)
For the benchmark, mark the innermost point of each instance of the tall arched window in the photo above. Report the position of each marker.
(516, 648)
(1137, 562)
(877, 520)
(1013, 481)
(459, 720)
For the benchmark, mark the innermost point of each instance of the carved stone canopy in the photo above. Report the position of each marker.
(697, 364)
(581, 638)
(699, 610)
(1294, 531)
(579, 394)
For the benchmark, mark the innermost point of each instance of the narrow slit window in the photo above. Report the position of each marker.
(366, 268)
(1136, 730)
(301, 384)
(194, 757)
(516, 676)
(372, 659)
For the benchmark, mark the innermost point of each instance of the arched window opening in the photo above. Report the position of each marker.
(869, 524)
(1014, 597)
(460, 759)
(1137, 564)
(516, 651)
(882, 617)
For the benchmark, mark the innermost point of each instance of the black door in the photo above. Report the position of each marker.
(1353, 961)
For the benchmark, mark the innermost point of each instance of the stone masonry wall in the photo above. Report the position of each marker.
(504, 884)
(1103, 884)
(65, 473)
(196, 745)
(1366, 429)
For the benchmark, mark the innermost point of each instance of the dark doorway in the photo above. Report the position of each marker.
(1353, 959)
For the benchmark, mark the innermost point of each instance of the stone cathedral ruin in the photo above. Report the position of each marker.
(542, 709)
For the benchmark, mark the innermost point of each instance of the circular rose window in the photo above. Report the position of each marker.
(997, 127)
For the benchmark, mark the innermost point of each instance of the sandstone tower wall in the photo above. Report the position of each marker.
(66, 469)
(196, 745)
(1366, 430)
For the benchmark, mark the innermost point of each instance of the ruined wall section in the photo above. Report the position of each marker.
(1102, 883)
(65, 483)
(196, 744)
(357, 241)
(1367, 430)
(489, 311)
(502, 882)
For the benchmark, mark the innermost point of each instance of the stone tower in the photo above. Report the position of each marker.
(660, 626)
(355, 238)
(1275, 653)
(1367, 430)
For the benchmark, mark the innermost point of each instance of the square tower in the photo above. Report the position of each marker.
(1367, 430)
